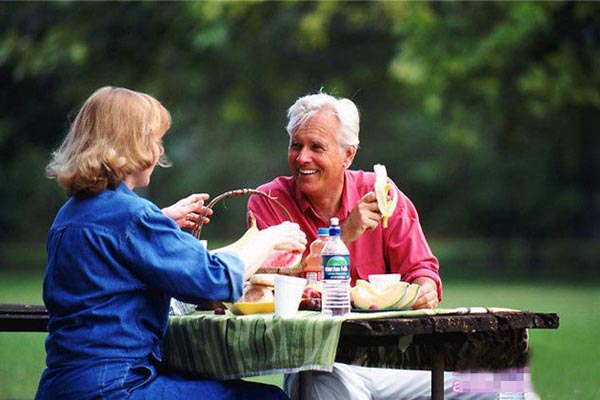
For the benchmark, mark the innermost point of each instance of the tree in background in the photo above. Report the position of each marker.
(484, 113)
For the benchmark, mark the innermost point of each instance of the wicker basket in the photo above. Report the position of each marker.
(197, 229)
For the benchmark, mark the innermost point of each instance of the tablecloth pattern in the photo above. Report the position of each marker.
(207, 345)
(228, 347)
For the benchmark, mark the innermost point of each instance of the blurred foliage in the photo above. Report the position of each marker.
(483, 112)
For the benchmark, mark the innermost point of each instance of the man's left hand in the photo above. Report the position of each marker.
(428, 295)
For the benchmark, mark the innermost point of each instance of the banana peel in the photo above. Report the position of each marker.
(382, 187)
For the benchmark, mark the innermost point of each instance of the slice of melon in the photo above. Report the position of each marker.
(282, 259)
(409, 298)
(365, 296)
(373, 289)
(367, 286)
(282, 262)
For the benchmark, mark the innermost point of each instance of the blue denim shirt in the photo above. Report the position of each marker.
(114, 262)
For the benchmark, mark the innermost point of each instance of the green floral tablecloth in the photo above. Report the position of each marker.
(227, 346)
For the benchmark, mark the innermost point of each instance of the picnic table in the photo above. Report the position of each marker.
(228, 346)
(459, 339)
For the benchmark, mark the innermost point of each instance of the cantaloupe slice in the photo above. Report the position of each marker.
(409, 298)
(367, 286)
(366, 296)
(372, 288)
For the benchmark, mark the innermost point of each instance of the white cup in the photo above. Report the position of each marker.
(288, 293)
(382, 280)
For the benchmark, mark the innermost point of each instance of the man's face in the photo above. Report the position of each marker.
(316, 159)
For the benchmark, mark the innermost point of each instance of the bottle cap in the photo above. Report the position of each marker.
(323, 232)
(335, 229)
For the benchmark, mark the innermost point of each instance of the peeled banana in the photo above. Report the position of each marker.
(382, 188)
(246, 238)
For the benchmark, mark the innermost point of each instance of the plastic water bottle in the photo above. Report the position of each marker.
(336, 273)
(313, 266)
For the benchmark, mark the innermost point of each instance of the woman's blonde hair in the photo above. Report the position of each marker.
(111, 138)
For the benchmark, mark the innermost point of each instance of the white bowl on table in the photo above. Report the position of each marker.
(382, 280)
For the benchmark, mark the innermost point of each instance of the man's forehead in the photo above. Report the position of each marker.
(323, 121)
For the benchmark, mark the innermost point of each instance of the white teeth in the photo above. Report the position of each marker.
(307, 171)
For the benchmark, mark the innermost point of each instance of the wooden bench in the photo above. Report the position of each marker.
(438, 339)
(23, 318)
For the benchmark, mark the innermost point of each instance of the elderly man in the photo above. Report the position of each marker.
(323, 133)
(323, 142)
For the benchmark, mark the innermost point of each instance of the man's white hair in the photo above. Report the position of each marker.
(345, 110)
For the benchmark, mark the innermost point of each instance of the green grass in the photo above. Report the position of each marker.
(565, 363)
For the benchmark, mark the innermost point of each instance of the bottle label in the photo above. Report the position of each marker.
(336, 267)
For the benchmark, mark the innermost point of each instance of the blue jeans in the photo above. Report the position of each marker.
(127, 379)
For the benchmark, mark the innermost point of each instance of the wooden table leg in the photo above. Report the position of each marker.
(305, 385)
(437, 373)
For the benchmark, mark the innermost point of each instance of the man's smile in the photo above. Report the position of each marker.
(307, 171)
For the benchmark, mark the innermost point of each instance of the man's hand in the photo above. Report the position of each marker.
(186, 212)
(428, 295)
(365, 215)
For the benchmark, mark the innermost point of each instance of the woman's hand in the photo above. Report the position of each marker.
(188, 211)
(428, 295)
(365, 215)
(285, 236)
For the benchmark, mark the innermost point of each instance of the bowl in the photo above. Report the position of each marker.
(244, 308)
(382, 280)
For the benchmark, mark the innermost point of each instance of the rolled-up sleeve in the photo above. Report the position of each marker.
(174, 262)
(407, 249)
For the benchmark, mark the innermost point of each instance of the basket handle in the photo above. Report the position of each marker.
(197, 229)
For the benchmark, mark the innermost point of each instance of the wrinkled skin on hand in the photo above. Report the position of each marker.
(188, 211)
(428, 295)
(364, 216)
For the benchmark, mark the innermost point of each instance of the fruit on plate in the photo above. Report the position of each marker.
(372, 288)
(311, 297)
(245, 239)
(409, 298)
(394, 296)
(382, 187)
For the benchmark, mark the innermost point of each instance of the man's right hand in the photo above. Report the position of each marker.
(364, 216)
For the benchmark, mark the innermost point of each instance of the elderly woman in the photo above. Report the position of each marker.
(323, 132)
(115, 260)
